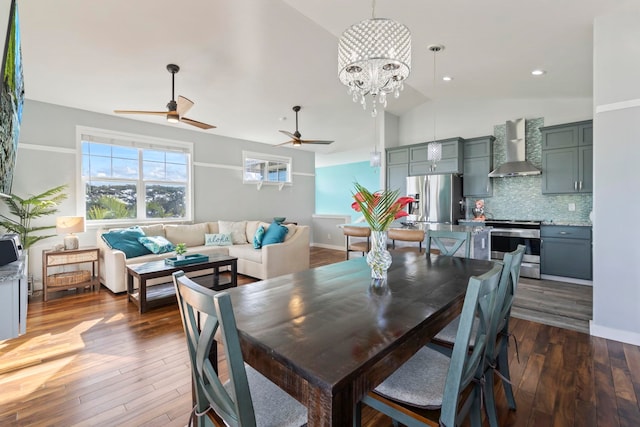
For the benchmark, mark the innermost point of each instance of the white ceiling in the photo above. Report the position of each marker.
(245, 63)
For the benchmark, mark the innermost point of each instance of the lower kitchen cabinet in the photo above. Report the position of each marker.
(566, 251)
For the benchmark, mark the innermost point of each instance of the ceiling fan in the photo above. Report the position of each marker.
(175, 110)
(296, 136)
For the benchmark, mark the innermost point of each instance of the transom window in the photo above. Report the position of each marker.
(125, 180)
(265, 168)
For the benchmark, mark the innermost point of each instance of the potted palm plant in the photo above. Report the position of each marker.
(29, 209)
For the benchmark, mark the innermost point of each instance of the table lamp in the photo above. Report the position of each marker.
(69, 225)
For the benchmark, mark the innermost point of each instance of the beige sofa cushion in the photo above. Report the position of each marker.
(213, 227)
(252, 227)
(192, 234)
(237, 229)
(246, 252)
(153, 230)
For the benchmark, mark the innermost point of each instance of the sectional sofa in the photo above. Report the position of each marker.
(207, 238)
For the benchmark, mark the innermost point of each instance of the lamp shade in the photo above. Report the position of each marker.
(69, 224)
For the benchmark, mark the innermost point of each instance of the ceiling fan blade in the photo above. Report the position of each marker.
(156, 113)
(184, 105)
(285, 143)
(315, 141)
(196, 123)
(289, 134)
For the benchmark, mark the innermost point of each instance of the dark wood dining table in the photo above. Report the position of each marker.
(324, 336)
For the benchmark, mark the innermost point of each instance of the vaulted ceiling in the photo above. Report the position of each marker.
(245, 63)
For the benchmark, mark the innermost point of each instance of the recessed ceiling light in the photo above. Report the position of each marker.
(447, 78)
(538, 72)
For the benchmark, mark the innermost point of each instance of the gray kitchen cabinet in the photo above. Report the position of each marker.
(477, 163)
(566, 251)
(397, 156)
(397, 178)
(451, 161)
(397, 169)
(567, 158)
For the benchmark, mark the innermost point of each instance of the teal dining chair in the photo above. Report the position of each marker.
(449, 242)
(496, 354)
(247, 399)
(434, 389)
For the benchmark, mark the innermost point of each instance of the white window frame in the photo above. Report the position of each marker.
(266, 158)
(135, 141)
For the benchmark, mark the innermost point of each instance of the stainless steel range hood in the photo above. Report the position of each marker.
(516, 164)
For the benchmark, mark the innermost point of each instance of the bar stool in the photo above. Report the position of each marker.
(359, 246)
(406, 235)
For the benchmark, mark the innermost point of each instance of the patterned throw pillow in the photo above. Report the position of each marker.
(156, 244)
(218, 239)
(257, 239)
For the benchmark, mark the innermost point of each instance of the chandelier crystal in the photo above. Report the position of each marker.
(374, 58)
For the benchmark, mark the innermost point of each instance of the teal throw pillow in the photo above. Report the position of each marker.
(220, 239)
(274, 234)
(156, 244)
(126, 240)
(258, 237)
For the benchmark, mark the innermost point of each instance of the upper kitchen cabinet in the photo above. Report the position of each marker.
(397, 169)
(450, 162)
(477, 163)
(567, 158)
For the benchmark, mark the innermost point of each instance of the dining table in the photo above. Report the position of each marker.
(327, 337)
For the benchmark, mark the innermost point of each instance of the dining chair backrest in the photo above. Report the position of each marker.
(465, 365)
(406, 235)
(203, 313)
(449, 242)
(356, 231)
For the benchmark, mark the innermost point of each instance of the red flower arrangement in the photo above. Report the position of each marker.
(380, 208)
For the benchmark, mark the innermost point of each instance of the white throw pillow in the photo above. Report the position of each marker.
(237, 229)
(218, 239)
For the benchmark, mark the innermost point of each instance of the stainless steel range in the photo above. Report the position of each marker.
(506, 235)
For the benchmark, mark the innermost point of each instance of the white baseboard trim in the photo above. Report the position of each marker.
(614, 334)
(567, 279)
(325, 246)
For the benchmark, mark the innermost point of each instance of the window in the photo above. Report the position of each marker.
(264, 168)
(133, 179)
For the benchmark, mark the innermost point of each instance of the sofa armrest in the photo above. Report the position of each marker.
(289, 256)
(112, 266)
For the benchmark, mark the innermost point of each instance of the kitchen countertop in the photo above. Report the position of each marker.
(427, 226)
(571, 223)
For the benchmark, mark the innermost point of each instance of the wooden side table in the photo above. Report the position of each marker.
(70, 279)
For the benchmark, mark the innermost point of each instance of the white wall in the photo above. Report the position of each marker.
(472, 119)
(47, 157)
(616, 249)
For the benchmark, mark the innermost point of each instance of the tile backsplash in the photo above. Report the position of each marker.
(521, 197)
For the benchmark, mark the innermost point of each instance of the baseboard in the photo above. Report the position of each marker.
(567, 279)
(614, 334)
(325, 246)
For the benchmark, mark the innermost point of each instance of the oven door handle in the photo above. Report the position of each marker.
(507, 232)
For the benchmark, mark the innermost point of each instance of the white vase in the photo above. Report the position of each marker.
(179, 257)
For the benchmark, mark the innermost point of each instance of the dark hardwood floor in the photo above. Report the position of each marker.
(92, 359)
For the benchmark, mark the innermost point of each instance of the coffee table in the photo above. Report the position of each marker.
(146, 297)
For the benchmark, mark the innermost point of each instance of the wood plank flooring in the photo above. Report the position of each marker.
(92, 359)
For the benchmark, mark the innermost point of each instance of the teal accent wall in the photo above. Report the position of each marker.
(521, 197)
(334, 187)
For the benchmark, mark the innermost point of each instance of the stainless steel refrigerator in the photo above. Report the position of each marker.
(438, 198)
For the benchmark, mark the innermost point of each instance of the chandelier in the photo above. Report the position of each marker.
(374, 58)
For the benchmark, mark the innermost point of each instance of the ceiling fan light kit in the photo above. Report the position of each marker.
(175, 110)
(374, 58)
